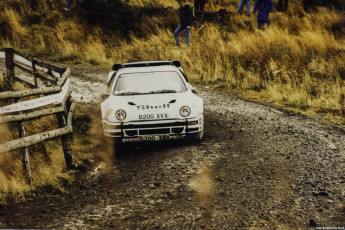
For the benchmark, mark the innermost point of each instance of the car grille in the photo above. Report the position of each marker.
(131, 132)
(152, 128)
(154, 131)
(177, 130)
(143, 126)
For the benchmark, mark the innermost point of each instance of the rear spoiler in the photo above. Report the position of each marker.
(116, 67)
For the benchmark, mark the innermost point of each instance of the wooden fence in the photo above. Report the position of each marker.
(50, 90)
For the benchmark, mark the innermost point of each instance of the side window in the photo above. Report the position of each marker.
(110, 84)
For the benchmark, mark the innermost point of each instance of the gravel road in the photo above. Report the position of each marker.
(257, 167)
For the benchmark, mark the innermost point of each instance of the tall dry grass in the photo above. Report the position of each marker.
(143, 3)
(47, 160)
(48, 167)
(301, 69)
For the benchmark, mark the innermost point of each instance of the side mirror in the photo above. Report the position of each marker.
(194, 90)
(105, 96)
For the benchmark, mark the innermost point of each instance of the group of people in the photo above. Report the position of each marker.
(282, 5)
(263, 7)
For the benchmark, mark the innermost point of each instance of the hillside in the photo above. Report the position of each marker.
(297, 62)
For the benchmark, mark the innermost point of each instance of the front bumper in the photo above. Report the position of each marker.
(155, 130)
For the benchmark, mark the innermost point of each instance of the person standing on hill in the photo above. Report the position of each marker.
(186, 19)
(264, 7)
(199, 5)
(283, 5)
(69, 3)
(242, 2)
(308, 4)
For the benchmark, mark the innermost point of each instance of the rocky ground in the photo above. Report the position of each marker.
(257, 167)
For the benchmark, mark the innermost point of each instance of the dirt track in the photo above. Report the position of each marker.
(257, 166)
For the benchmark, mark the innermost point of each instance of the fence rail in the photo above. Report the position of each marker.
(55, 93)
(37, 138)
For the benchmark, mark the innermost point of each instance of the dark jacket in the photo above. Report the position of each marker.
(200, 1)
(186, 15)
(264, 8)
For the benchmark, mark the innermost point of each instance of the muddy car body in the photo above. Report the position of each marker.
(151, 101)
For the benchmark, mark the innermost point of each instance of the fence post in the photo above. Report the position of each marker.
(9, 61)
(66, 143)
(25, 153)
(34, 72)
(342, 103)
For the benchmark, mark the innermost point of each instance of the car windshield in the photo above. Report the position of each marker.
(149, 83)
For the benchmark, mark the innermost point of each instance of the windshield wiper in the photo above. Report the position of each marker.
(164, 91)
(128, 93)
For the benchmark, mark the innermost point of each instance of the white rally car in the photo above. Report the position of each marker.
(151, 101)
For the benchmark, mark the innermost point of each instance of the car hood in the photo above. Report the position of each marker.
(168, 103)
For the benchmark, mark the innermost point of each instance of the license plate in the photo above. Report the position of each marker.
(153, 116)
(153, 138)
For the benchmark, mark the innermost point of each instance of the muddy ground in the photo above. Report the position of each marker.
(257, 167)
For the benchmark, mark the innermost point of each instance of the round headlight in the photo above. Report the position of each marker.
(120, 115)
(185, 111)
